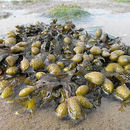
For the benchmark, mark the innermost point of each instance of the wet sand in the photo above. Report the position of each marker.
(105, 117)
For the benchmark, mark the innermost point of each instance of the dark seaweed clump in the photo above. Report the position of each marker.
(42, 63)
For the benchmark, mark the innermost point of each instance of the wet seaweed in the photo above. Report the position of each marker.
(45, 63)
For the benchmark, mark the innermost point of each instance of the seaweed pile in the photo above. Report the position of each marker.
(42, 63)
